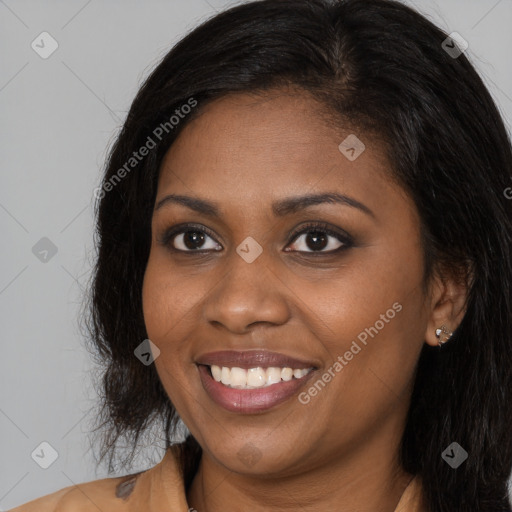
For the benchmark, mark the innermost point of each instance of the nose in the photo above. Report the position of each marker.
(249, 293)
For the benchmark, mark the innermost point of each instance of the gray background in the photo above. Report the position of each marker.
(59, 115)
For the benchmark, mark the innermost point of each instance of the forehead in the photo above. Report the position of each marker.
(244, 148)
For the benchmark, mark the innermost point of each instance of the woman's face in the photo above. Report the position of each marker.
(357, 316)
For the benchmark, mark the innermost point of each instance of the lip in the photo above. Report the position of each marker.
(250, 401)
(253, 358)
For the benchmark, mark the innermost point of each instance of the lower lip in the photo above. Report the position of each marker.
(250, 400)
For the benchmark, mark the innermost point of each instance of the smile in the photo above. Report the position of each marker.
(233, 390)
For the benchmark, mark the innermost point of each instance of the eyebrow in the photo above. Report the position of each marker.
(280, 208)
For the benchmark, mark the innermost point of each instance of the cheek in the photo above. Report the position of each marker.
(374, 318)
(157, 303)
(169, 299)
(168, 316)
(376, 286)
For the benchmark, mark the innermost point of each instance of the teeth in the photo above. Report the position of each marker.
(238, 377)
(286, 374)
(299, 373)
(225, 376)
(273, 375)
(216, 372)
(255, 377)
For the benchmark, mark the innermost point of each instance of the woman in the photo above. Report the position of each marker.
(305, 212)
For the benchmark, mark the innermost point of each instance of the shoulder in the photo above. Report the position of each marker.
(105, 494)
(158, 488)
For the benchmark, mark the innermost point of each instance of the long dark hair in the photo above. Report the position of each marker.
(381, 67)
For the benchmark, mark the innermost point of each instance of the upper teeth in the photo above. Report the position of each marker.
(254, 377)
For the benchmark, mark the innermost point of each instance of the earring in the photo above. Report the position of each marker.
(443, 335)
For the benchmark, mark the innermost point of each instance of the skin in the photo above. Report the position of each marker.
(339, 451)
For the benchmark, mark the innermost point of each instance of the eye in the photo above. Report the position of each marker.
(189, 238)
(194, 239)
(315, 238)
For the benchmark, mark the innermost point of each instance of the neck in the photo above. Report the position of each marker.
(368, 480)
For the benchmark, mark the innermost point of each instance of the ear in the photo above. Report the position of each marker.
(447, 305)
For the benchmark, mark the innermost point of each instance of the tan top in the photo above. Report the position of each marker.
(158, 489)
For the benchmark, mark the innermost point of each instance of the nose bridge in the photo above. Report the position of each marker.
(248, 293)
(246, 270)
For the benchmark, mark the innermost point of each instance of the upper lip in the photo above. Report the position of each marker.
(252, 359)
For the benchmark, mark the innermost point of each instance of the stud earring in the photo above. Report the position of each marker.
(443, 335)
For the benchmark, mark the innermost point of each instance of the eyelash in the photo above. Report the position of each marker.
(321, 227)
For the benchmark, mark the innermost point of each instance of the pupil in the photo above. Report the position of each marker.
(192, 237)
(316, 236)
